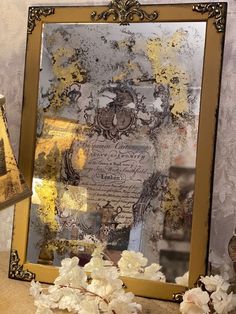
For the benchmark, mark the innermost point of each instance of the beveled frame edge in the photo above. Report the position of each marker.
(205, 152)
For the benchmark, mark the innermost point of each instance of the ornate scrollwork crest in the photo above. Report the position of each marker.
(35, 14)
(16, 271)
(216, 10)
(124, 11)
(116, 118)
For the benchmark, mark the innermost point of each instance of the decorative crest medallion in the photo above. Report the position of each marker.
(124, 11)
(35, 14)
(116, 118)
(216, 10)
(16, 271)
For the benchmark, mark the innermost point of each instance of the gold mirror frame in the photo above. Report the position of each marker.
(123, 11)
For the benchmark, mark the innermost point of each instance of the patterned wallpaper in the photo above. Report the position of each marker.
(13, 37)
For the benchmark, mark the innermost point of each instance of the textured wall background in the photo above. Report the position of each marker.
(13, 24)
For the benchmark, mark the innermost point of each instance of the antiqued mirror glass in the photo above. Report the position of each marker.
(117, 138)
(115, 157)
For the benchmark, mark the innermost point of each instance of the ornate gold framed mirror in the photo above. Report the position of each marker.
(117, 138)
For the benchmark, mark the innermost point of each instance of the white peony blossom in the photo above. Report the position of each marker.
(131, 263)
(105, 282)
(71, 274)
(56, 293)
(89, 306)
(54, 289)
(123, 304)
(103, 294)
(105, 289)
(35, 289)
(105, 274)
(214, 283)
(215, 300)
(183, 280)
(222, 302)
(68, 264)
(97, 262)
(43, 302)
(71, 292)
(94, 264)
(195, 301)
(69, 301)
(153, 272)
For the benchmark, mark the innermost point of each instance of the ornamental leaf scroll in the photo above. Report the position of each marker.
(35, 14)
(16, 270)
(124, 11)
(214, 10)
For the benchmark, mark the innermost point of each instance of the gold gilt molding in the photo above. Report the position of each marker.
(35, 14)
(16, 271)
(215, 10)
(124, 12)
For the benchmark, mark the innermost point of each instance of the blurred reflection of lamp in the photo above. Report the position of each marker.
(12, 185)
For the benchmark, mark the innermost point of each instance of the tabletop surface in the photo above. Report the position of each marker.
(15, 298)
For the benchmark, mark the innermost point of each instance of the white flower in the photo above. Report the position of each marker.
(214, 283)
(195, 301)
(105, 289)
(131, 263)
(108, 274)
(43, 303)
(68, 264)
(222, 302)
(71, 274)
(105, 293)
(105, 281)
(183, 280)
(54, 289)
(95, 263)
(56, 294)
(35, 289)
(123, 304)
(89, 306)
(153, 272)
(69, 301)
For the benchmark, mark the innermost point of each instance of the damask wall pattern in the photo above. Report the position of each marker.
(223, 223)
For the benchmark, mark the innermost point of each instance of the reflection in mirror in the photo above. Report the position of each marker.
(118, 110)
